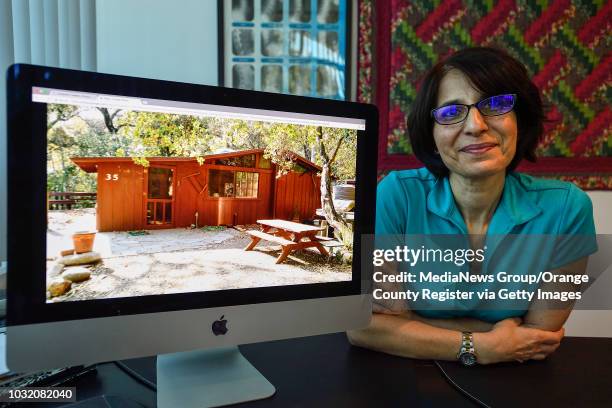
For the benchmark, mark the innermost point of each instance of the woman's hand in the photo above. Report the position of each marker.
(509, 341)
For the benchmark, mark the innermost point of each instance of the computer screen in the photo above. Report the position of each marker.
(150, 196)
(150, 217)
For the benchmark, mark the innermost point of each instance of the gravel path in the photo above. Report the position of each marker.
(183, 260)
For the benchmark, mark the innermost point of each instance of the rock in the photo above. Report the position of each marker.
(54, 270)
(76, 274)
(80, 259)
(58, 287)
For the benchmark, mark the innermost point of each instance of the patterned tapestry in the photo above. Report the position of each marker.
(565, 45)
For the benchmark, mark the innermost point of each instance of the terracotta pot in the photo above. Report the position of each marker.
(83, 241)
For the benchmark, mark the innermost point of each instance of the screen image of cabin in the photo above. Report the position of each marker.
(232, 188)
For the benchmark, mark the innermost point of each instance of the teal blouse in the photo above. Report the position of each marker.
(416, 202)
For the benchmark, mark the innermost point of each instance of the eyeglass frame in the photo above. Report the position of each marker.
(469, 107)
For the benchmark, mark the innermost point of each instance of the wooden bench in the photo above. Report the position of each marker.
(285, 244)
(69, 200)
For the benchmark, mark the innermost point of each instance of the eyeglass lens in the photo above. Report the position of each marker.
(493, 106)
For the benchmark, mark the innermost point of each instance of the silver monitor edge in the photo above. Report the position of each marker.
(60, 344)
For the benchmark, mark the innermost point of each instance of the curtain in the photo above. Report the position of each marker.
(58, 33)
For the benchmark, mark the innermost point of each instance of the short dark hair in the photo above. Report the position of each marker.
(493, 72)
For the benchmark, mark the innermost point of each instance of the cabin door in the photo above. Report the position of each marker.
(160, 197)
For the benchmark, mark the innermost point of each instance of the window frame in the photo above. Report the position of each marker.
(234, 171)
(343, 27)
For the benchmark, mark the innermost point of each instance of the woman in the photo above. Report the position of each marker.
(476, 116)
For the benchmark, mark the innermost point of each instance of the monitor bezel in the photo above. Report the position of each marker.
(26, 165)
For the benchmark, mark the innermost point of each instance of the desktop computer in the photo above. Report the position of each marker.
(149, 217)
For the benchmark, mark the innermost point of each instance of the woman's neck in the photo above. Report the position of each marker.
(477, 199)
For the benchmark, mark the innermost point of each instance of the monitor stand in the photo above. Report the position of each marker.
(208, 378)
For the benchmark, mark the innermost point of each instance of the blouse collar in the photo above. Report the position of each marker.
(515, 207)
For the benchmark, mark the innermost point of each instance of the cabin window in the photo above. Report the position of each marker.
(160, 183)
(247, 160)
(247, 184)
(220, 183)
(240, 184)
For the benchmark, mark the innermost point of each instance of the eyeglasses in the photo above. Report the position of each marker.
(458, 112)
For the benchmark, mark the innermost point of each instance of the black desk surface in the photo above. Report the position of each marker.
(323, 371)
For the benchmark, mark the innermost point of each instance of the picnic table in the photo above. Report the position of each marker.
(292, 236)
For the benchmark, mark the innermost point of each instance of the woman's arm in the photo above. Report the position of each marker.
(461, 324)
(395, 329)
(549, 314)
(404, 336)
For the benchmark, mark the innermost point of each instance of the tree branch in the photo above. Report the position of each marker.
(108, 120)
(337, 148)
(53, 123)
(115, 114)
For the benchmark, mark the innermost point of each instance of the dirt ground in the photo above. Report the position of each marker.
(181, 260)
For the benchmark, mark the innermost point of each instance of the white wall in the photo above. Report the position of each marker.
(173, 40)
(6, 58)
(602, 210)
(595, 323)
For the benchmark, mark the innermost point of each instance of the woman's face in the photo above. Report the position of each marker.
(479, 146)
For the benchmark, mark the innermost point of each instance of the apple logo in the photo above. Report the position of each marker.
(219, 326)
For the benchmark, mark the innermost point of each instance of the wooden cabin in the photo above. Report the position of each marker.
(226, 189)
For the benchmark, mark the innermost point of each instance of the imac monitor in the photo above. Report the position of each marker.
(148, 217)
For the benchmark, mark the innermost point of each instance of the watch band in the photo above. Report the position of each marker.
(467, 343)
(467, 355)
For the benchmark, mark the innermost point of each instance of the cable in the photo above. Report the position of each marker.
(136, 376)
(458, 387)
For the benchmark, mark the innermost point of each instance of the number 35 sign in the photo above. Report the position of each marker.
(113, 177)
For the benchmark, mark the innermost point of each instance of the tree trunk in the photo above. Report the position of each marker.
(109, 120)
(64, 175)
(341, 227)
(307, 152)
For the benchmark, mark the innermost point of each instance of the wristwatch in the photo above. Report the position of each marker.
(466, 354)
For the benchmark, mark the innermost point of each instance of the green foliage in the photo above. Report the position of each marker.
(60, 113)
(73, 133)
(71, 179)
(213, 228)
(138, 233)
(87, 132)
(167, 135)
(282, 139)
(346, 236)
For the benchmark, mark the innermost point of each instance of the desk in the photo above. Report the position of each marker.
(325, 371)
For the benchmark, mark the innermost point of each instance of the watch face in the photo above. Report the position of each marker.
(467, 359)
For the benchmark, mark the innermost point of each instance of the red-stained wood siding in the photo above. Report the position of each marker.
(237, 211)
(191, 179)
(120, 189)
(297, 193)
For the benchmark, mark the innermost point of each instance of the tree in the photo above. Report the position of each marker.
(331, 148)
(60, 113)
(110, 120)
(145, 134)
(333, 138)
(58, 140)
(162, 134)
(72, 132)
